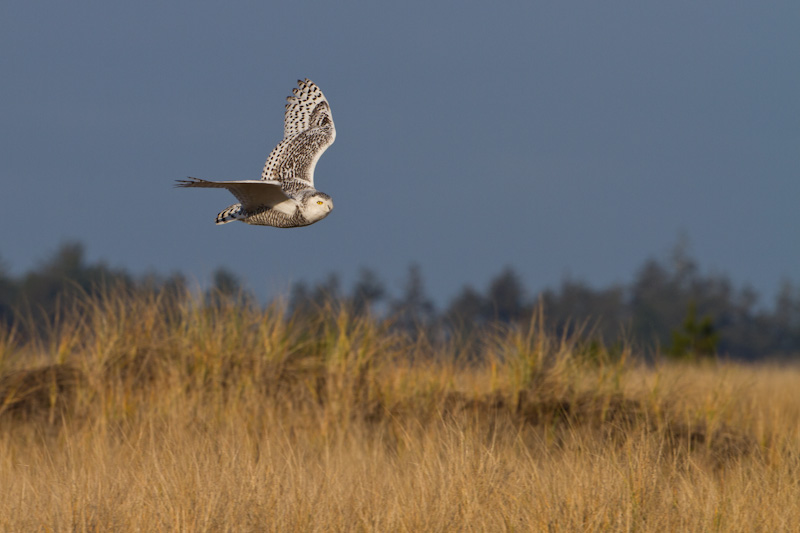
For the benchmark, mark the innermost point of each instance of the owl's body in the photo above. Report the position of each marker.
(285, 196)
(305, 212)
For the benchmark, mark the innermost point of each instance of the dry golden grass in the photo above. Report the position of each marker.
(142, 414)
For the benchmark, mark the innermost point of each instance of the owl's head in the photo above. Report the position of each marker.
(317, 206)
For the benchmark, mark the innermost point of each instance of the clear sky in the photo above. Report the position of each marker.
(560, 138)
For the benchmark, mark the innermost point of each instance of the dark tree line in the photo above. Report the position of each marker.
(37, 296)
(671, 304)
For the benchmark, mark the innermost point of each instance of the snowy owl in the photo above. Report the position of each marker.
(285, 196)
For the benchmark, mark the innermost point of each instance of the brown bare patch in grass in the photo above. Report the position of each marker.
(44, 393)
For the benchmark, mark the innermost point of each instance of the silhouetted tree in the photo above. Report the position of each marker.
(467, 309)
(308, 301)
(657, 303)
(575, 304)
(414, 309)
(505, 298)
(62, 277)
(226, 287)
(173, 286)
(226, 282)
(367, 291)
(787, 318)
(7, 294)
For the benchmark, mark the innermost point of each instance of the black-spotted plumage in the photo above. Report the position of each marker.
(285, 196)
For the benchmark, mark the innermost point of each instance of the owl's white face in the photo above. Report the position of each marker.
(317, 207)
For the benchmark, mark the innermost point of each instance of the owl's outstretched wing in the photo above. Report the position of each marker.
(308, 131)
(252, 194)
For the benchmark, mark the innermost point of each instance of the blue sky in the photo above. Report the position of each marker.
(560, 138)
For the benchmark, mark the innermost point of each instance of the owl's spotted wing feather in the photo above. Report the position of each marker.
(308, 131)
(306, 109)
(253, 194)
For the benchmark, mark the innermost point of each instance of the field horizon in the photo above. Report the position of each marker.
(151, 412)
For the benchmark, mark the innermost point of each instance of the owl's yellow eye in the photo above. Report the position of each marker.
(319, 202)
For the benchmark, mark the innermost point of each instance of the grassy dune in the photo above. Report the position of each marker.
(141, 413)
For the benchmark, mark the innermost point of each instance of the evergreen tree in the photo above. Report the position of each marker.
(695, 339)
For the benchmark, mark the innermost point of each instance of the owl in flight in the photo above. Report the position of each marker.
(285, 196)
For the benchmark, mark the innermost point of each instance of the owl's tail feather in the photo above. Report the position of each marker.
(229, 214)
